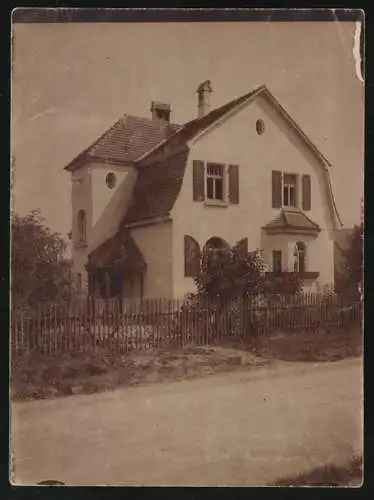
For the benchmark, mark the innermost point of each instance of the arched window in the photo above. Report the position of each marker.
(213, 247)
(300, 257)
(260, 127)
(216, 243)
(82, 226)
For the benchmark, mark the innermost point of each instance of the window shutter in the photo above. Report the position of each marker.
(191, 257)
(242, 246)
(234, 184)
(306, 192)
(276, 179)
(198, 180)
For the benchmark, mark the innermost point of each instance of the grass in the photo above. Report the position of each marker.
(321, 345)
(330, 475)
(49, 376)
(36, 376)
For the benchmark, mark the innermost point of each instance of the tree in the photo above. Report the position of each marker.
(229, 273)
(40, 270)
(352, 268)
(229, 283)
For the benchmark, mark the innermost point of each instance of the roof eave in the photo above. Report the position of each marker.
(296, 127)
(147, 222)
(291, 230)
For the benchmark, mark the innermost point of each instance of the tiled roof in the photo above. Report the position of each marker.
(120, 249)
(157, 188)
(128, 139)
(292, 219)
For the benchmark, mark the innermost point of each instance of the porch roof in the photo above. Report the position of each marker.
(292, 220)
(120, 250)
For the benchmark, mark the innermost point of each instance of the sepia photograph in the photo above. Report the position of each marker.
(187, 220)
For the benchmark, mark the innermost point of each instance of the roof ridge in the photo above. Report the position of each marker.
(245, 96)
(154, 122)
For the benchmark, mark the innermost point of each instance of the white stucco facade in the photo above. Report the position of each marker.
(155, 241)
(235, 141)
(104, 208)
(232, 140)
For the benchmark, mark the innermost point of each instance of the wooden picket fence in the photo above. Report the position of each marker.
(85, 326)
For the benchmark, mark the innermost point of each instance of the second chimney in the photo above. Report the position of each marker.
(160, 111)
(203, 100)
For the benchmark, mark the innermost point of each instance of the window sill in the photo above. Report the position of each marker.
(215, 203)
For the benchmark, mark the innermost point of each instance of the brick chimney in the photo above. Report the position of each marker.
(203, 100)
(160, 111)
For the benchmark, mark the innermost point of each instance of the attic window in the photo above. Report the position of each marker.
(260, 127)
(111, 180)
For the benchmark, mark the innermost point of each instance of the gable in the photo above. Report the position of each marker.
(287, 139)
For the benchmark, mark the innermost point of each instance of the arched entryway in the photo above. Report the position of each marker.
(213, 247)
(216, 243)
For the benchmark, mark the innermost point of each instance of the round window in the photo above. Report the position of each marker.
(260, 127)
(111, 180)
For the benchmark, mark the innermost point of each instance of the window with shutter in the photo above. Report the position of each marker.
(276, 189)
(191, 257)
(234, 184)
(306, 192)
(198, 179)
(215, 181)
(289, 190)
(277, 261)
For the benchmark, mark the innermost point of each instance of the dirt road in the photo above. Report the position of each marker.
(247, 427)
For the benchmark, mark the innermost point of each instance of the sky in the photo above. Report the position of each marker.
(71, 81)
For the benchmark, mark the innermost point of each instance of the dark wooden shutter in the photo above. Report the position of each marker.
(234, 184)
(198, 180)
(191, 257)
(277, 261)
(306, 192)
(242, 246)
(276, 183)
